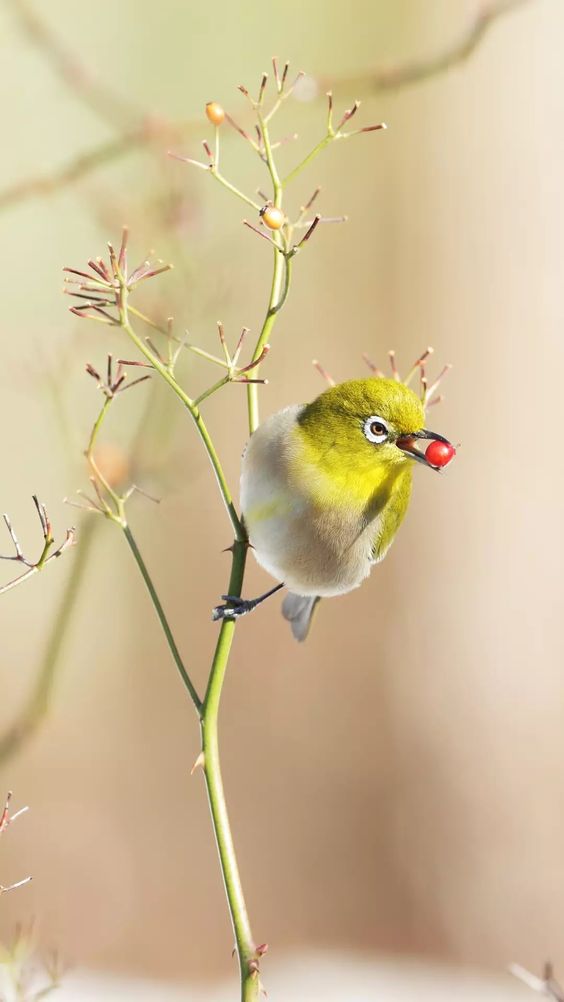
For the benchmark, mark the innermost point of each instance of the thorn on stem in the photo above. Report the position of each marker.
(199, 763)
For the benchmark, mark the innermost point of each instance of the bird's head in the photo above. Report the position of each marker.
(365, 429)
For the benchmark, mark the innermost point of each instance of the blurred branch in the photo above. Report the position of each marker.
(141, 131)
(74, 170)
(106, 103)
(6, 819)
(394, 78)
(37, 706)
(546, 985)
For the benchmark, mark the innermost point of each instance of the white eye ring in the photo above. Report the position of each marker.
(376, 429)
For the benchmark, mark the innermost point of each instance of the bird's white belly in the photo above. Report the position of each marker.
(313, 550)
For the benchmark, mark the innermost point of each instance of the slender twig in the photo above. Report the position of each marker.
(162, 618)
(47, 554)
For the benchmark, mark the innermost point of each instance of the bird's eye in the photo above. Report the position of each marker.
(375, 429)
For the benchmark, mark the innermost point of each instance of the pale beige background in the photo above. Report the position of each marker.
(397, 783)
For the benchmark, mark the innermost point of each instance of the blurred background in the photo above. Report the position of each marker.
(396, 784)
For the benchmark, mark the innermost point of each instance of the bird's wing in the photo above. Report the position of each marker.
(390, 518)
(298, 610)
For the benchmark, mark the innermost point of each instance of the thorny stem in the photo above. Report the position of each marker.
(246, 949)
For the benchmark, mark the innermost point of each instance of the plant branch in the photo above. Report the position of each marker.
(47, 553)
(246, 949)
(280, 279)
(169, 378)
(162, 618)
(247, 952)
(118, 516)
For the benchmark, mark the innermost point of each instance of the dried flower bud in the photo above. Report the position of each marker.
(272, 217)
(215, 112)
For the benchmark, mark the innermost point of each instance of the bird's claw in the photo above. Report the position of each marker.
(233, 609)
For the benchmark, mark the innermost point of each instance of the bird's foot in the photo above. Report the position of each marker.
(234, 607)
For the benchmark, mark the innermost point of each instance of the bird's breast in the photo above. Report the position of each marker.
(316, 542)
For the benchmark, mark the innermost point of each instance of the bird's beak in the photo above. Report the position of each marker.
(408, 444)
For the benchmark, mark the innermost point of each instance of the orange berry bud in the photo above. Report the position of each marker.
(215, 112)
(272, 217)
(113, 464)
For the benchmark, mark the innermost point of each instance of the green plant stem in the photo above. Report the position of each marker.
(234, 191)
(208, 710)
(280, 282)
(162, 618)
(280, 279)
(37, 706)
(310, 156)
(246, 951)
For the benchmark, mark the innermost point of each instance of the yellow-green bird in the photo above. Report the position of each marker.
(325, 487)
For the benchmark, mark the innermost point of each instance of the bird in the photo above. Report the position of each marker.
(325, 487)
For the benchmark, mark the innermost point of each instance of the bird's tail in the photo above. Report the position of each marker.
(298, 610)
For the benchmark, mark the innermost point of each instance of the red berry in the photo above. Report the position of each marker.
(440, 453)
